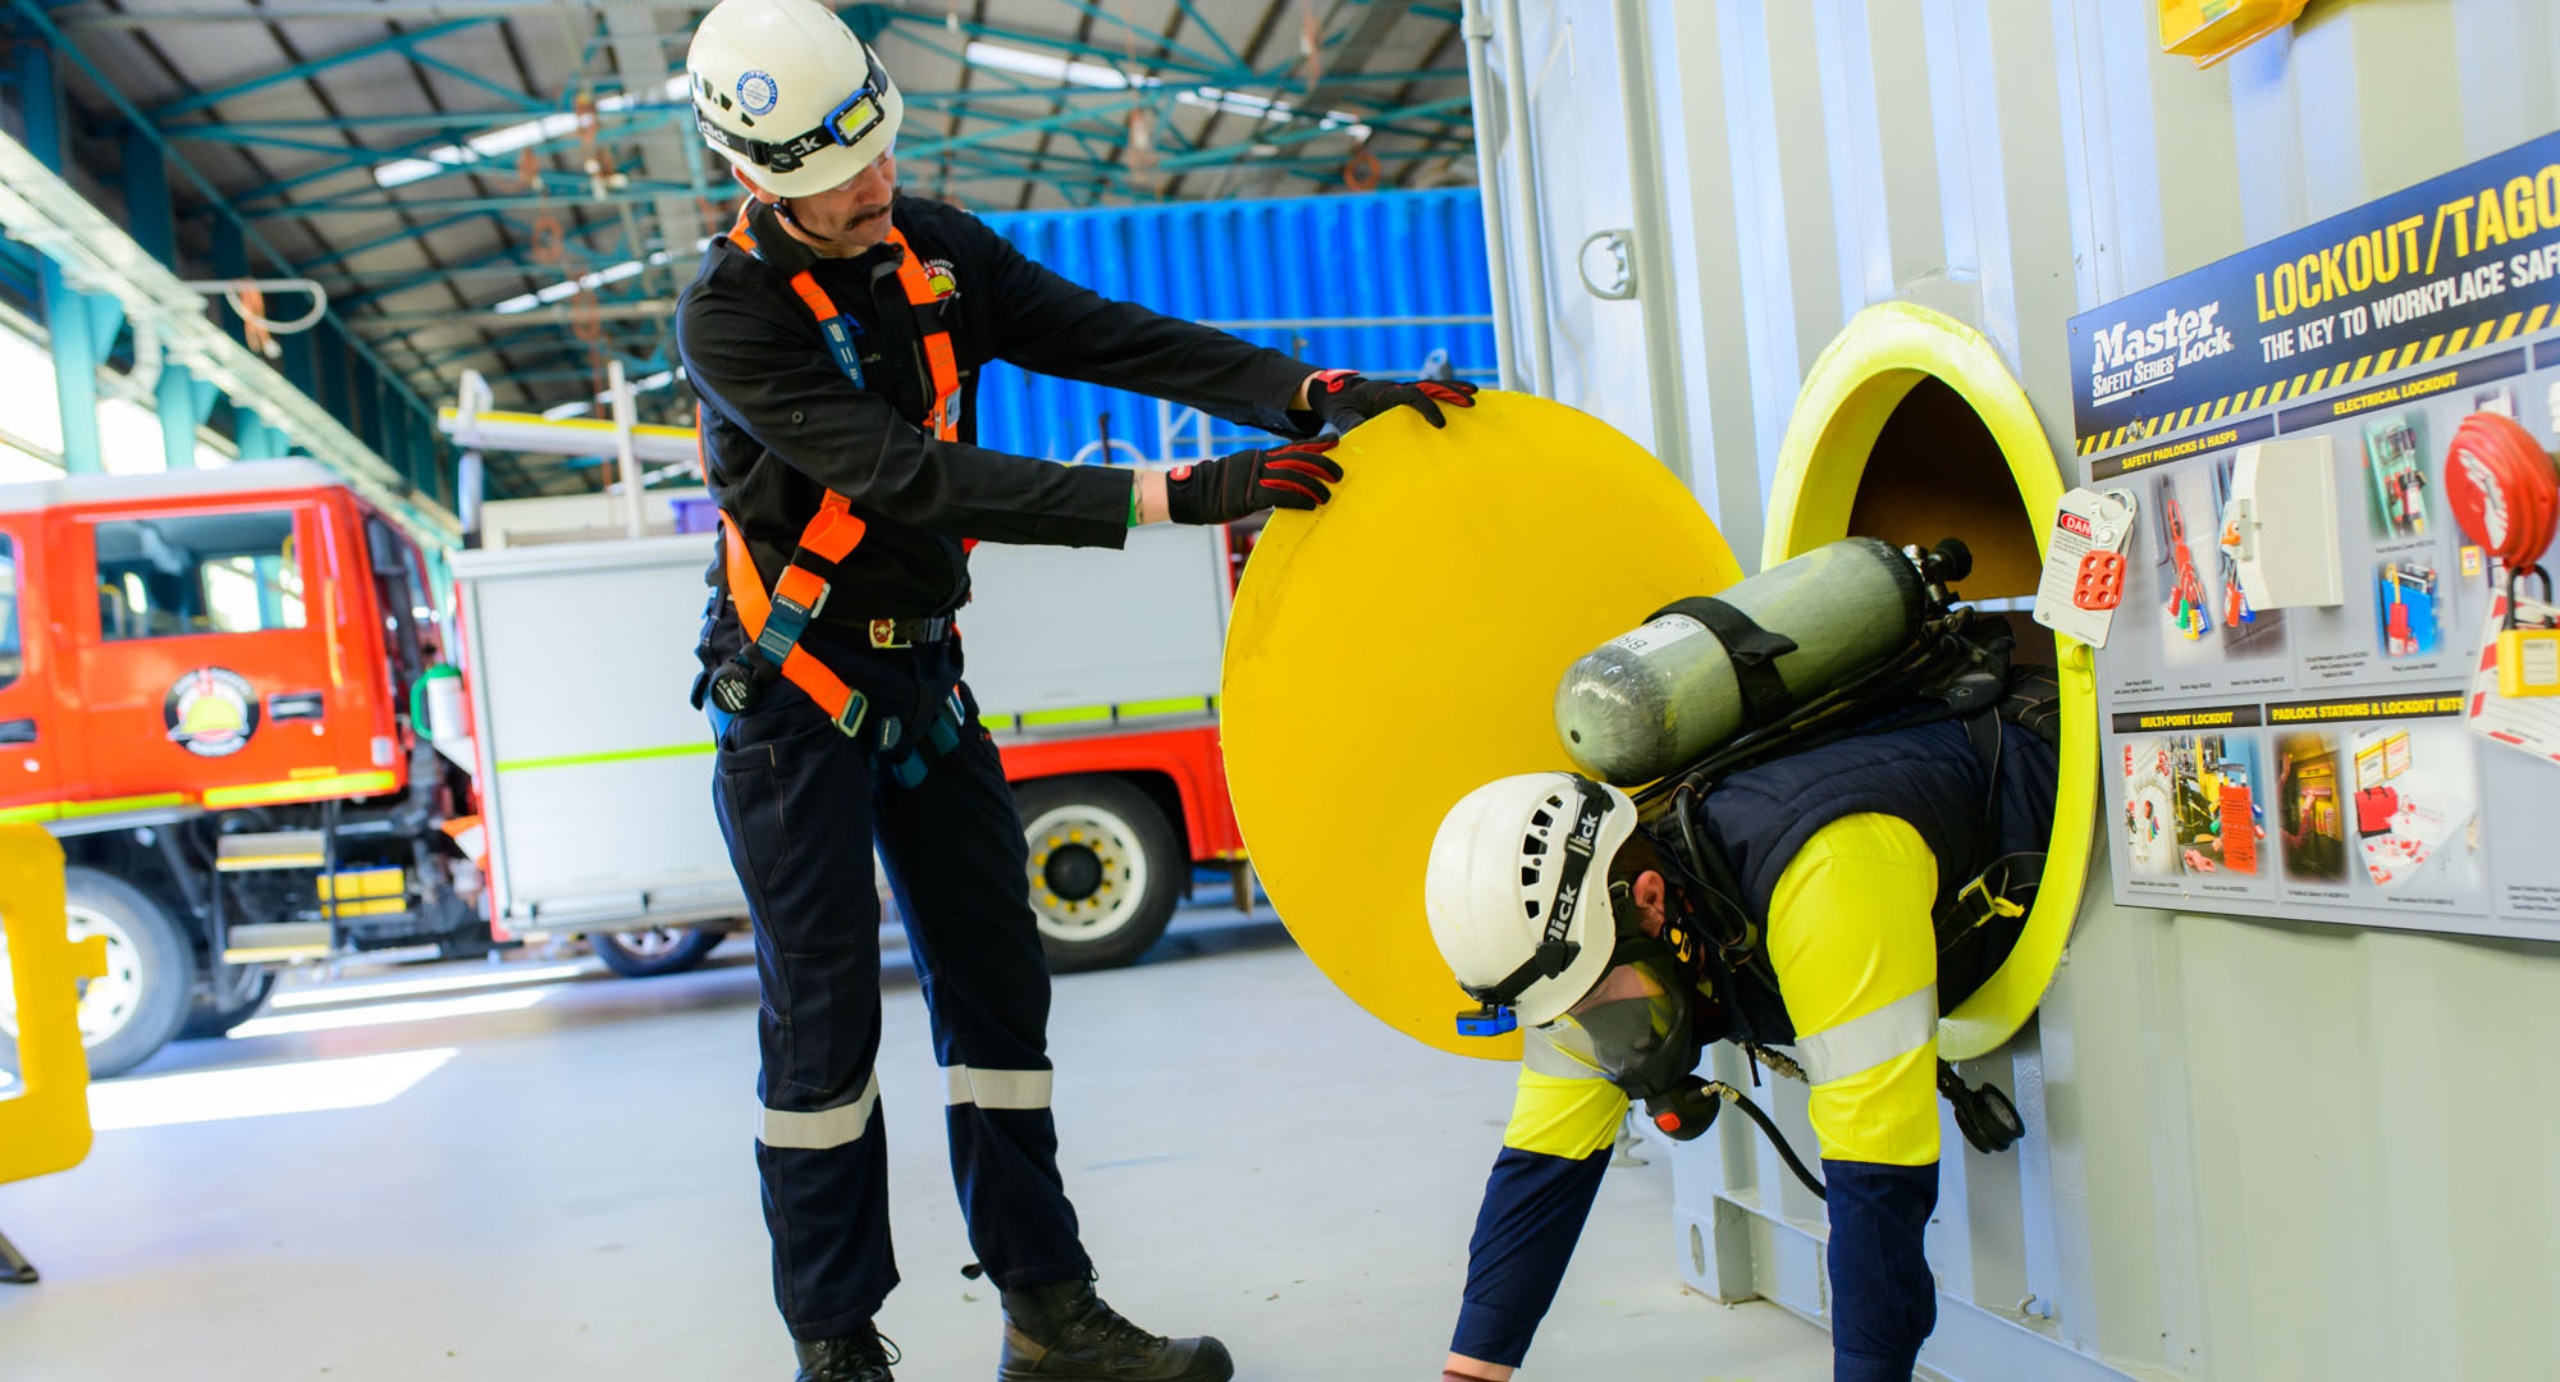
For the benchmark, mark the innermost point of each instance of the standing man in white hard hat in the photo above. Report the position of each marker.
(1845, 897)
(834, 337)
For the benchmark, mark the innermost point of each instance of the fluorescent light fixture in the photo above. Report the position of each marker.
(498, 143)
(210, 1096)
(1022, 62)
(612, 273)
(499, 976)
(569, 288)
(560, 411)
(390, 1014)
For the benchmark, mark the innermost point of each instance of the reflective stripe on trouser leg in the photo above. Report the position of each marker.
(999, 1088)
(820, 1129)
(1875, 1086)
(958, 865)
(794, 801)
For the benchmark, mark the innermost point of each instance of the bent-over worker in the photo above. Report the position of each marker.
(1852, 861)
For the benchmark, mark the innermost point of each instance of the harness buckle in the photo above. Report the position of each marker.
(784, 623)
(1991, 904)
(884, 634)
(848, 721)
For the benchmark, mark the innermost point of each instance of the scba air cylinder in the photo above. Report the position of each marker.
(1647, 701)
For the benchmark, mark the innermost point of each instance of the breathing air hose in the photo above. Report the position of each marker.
(1769, 1128)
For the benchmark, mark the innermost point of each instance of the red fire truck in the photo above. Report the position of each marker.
(234, 697)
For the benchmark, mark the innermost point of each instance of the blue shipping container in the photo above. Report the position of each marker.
(1396, 256)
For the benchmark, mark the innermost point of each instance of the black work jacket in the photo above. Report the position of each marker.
(782, 424)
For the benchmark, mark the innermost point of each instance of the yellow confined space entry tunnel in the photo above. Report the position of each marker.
(1910, 428)
(1454, 621)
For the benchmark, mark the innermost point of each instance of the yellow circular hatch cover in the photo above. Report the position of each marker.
(1400, 647)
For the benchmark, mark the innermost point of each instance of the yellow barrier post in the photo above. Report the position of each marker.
(45, 1127)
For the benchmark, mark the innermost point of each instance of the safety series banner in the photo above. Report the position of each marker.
(2318, 761)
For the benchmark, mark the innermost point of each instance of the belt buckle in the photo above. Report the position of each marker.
(884, 634)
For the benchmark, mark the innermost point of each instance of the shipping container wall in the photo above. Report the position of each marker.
(1380, 283)
(2258, 1150)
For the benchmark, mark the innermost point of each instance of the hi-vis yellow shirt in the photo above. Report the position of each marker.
(1850, 937)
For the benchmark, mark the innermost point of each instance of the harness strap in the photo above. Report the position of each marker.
(777, 621)
(1753, 650)
(843, 704)
(941, 361)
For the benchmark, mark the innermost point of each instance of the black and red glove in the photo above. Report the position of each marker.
(1296, 476)
(1346, 399)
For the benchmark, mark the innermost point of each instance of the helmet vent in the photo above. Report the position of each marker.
(1533, 909)
(1531, 844)
(1541, 819)
(1528, 878)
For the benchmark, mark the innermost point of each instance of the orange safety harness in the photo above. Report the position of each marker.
(776, 621)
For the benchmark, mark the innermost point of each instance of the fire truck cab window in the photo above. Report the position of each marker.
(12, 653)
(203, 573)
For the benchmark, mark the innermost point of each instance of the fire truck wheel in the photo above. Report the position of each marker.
(1106, 869)
(661, 950)
(133, 1010)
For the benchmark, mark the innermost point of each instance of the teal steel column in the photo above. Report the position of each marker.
(151, 216)
(82, 326)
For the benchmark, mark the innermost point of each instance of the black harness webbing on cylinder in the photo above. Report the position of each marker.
(1754, 651)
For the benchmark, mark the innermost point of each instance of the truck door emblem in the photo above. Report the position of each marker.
(211, 712)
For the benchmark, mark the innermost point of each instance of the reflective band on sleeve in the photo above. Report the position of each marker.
(1863, 1043)
(1543, 1057)
(815, 1132)
(998, 1088)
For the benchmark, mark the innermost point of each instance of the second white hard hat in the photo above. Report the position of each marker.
(1517, 890)
(784, 90)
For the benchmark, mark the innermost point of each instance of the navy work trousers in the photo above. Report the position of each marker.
(801, 805)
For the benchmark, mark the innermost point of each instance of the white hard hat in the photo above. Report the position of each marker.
(784, 90)
(1517, 889)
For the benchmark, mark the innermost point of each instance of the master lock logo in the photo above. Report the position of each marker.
(2125, 357)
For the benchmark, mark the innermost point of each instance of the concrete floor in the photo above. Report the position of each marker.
(543, 1172)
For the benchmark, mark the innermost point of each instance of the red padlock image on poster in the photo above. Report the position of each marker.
(2503, 488)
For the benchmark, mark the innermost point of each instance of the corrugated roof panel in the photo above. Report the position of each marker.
(1382, 257)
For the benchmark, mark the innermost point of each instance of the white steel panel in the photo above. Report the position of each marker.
(1054, 628)
(584, 652)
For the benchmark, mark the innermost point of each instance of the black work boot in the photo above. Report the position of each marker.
(858, 1357)
(1062, 1332)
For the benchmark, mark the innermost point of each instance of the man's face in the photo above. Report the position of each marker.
(845, 220)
